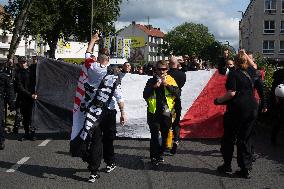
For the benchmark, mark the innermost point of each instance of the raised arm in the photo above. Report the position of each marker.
(92, 43)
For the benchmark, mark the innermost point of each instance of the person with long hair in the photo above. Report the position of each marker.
(240, 116)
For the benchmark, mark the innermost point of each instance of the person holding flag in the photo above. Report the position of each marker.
(94, 114)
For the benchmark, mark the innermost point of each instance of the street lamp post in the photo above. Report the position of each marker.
(92, 18)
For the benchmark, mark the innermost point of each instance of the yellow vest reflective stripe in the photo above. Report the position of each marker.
(152, 101)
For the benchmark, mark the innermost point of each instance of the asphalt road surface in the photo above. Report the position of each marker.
(46, 163)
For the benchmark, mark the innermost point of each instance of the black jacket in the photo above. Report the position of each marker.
(222, 66)
(25, 85)
(6, 91)
(161, 100)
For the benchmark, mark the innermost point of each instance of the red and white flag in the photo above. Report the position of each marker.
(200, 117)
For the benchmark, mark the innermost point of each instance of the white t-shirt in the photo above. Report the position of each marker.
(96, 72)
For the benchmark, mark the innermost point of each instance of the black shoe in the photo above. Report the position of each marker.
(2, 146)
(93, 177)
(173, 151)
(154, 161)
(33, 138)
(160, 159)
(110, 167)
(254, 157)
(15, 130)
(224, 168)
(243, 173)
(25, 137)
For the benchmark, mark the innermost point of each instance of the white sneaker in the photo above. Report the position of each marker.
(110, 168)
(93, 178)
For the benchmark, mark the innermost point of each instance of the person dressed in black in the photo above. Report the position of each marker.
(277, 105)
(180, 78)
(222, 68)
(6, 94)
(242, 109)
(25, 85)
(160, 93)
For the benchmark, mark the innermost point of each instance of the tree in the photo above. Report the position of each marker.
(188, 39)
(17, 11)
(54, 19)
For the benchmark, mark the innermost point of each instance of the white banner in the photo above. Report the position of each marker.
(136, 107)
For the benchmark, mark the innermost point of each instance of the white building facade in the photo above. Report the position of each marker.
(262, 28)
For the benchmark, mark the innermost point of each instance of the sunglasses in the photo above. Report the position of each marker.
(162, 69)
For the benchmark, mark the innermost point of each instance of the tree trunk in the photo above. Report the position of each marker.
(19, 28)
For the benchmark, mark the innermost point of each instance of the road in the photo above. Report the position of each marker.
(46, 163)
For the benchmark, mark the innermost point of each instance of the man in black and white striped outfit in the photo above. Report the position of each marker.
(103, 135)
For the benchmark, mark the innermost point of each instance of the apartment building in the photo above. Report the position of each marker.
(145, 42)
(261, 28)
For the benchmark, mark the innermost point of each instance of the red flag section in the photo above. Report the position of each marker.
(204, 119)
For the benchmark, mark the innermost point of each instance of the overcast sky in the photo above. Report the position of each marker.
(220, 16)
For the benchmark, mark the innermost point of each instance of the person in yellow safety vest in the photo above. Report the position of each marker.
(160, 93)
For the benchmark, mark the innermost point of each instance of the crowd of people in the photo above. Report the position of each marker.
(18, 91)
(102, 89)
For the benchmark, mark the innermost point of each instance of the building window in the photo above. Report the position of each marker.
(269, 27)
(270, 6)
(281, 48)
(282, 7)
(282, 27)
(149, 57)
(150, 38)
(268, 47)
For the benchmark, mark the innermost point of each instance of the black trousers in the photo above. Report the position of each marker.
(279, 122)
(158, 123)
(101, 145)
(238, 129)
(175, 124)
(2, 137)
(26, 111)
(2, 124)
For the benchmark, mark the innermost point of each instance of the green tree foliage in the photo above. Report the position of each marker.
(14, 18)
(190, 39)
(52, 19)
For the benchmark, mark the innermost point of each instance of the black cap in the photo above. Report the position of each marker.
(22, 59)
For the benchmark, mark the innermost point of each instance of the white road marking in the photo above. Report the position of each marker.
(44, 143)
(17, 165)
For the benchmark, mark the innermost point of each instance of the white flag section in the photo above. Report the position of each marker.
(136, 108)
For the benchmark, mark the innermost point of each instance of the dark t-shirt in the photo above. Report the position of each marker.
(244, 99)
(222, 65)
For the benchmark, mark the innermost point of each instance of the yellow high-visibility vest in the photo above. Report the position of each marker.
(152, 100)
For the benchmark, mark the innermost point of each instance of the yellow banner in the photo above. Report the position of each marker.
(127, 43)
(107, 42)
(136, 41)
(119, 47)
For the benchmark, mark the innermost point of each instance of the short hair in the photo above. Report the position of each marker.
(126, 63)
(173, 62)
(104, 51)
(249, 52)
(162, 63)
(103, 54)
